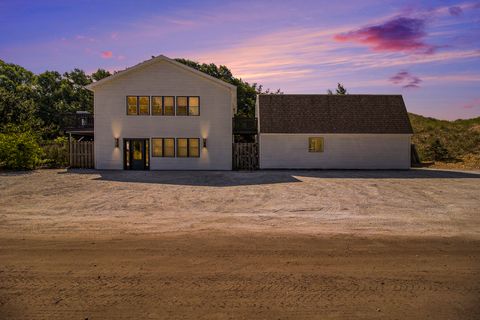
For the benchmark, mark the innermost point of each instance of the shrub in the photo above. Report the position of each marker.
(437, 151)
(56, 153)
(19, 150)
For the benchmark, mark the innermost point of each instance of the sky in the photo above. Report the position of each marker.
(428, 51)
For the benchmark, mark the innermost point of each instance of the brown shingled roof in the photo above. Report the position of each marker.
(291, 113)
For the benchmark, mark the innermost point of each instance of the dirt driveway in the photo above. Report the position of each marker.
(221, 245)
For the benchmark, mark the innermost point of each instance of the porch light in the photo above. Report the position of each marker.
(117, 143)
(204, 140)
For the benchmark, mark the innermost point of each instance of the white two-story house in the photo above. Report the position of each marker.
(163, 115)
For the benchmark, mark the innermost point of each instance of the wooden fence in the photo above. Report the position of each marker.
(245, 156)
(81, 154)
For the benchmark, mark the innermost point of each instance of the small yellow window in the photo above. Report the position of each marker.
(315, 144)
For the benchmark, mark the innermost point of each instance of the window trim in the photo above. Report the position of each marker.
(163, 147)
(322, 145)
(188, 148)
(138, 105)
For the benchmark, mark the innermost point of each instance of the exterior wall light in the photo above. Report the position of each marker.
(117, 143)
(204, 142)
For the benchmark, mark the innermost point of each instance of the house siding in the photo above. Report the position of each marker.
(341, 151)
(164, 79)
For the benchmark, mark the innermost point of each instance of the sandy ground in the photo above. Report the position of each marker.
(222, 245)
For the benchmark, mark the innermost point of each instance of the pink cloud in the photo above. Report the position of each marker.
(406, 79)
(106, 54)
(475, 103)
(398, 34)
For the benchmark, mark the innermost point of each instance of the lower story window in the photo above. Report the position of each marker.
(315, 144)
(163, 147)
(188, 147)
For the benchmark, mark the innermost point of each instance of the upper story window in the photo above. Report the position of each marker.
(193, 106)
(188, 106)
(182, 106)
(157, 106)
(163, 105)
(169, 106)
(315, 144)
(138, 105)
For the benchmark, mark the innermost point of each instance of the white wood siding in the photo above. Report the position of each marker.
(341, 151)
(164, 79)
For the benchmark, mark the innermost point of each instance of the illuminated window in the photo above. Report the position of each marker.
(188, 147)
(194, 147)
(182, 147)
(169, 106)
(131, 105)
(163, 147)
(315, 144)
(144, 105)
(138, 105)
(157, 147)
(182, 106)
(193, 106)
(169, 147)
(157, 106)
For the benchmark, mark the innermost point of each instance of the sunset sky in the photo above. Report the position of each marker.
(428, 51)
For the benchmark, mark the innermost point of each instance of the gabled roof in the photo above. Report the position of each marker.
(353, 113)
(114, 76)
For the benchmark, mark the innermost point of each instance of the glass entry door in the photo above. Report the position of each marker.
(136, 154)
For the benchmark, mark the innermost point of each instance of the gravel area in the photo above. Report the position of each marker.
(86, 244)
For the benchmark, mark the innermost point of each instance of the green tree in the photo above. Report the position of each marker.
(100, 74)
(17, 93)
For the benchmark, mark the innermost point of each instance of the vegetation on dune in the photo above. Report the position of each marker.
(447, 141)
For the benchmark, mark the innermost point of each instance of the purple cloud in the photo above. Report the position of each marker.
(406, 79)
(399, 34)
(455, 11)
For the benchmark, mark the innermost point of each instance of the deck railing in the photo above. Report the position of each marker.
(78, 121)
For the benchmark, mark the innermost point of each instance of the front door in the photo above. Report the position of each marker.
(136, 155)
